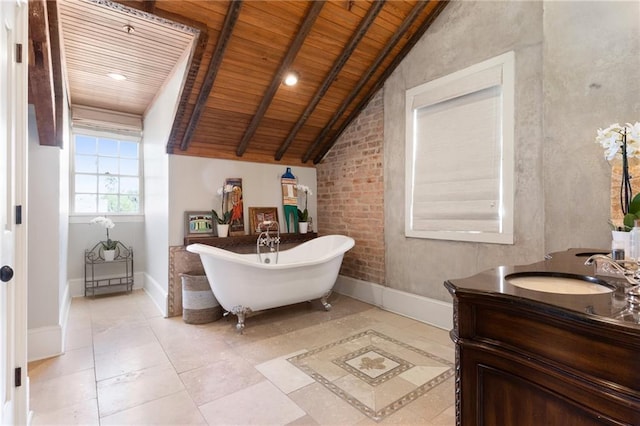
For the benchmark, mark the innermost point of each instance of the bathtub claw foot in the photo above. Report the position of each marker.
(241, 312)
(325, 303)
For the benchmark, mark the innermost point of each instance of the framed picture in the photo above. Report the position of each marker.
(198, 223)
(260, 214)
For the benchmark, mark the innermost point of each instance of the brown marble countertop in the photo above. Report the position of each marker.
(599, 307)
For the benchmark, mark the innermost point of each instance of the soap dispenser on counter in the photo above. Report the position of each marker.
(634, 236)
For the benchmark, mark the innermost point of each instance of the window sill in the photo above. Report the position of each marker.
(116, 218)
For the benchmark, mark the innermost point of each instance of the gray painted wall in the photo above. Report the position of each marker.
(44, 236)
(562, 182)
(591, 79)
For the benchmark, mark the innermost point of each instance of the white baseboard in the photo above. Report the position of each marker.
(430, 311)
(48, 341)
(44, 342)
(157, 293)
(65, 307)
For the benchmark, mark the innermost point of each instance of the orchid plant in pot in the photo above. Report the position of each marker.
(623, 143)
(109, 246)
(223, 219)
(303, 215)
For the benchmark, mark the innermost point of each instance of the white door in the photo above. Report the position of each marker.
(13, 151)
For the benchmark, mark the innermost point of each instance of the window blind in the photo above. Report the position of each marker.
(457, 183)
(460, 154)
(120, 123)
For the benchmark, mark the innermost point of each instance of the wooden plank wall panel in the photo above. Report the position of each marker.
(96, 43)
(257, 46)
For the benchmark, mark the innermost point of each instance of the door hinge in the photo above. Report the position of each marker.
(19, 53)
(18, 215)
(18, 377)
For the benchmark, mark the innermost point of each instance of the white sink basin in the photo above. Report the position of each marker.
(558, 284)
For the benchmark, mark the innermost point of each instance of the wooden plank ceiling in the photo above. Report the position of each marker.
(234, 105)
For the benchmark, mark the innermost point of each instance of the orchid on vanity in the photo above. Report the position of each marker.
(623, 142)
(226, 215)
(303, 215)
(107, 224)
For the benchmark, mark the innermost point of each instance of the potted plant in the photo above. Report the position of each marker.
(222, 222)
(303, 215)
(633, 214)
(109, 246)
(623, 142)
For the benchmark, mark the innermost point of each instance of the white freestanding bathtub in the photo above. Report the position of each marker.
(242, 283)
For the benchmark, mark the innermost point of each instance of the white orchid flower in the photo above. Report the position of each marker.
(104, 221)
(304, 188)
(224, 189)
(107, 224)
(611, 139)
(633, 132)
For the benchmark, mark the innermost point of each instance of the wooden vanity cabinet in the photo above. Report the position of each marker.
(521, 362)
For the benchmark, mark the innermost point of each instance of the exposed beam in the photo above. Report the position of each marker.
(439, 7)
(393, 41)
(56, 65)
(149, 6)
(40, 73)
(194, 67)
(364, 25)
(201, 34)
(214, 65)
(192, 73)
(303, 32)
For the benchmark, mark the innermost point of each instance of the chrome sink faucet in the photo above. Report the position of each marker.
(631, 274)
(630, 270)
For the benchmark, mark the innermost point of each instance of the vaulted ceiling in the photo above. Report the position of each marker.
(233, 103)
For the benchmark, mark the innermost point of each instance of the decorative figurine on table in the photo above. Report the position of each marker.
(290, 200)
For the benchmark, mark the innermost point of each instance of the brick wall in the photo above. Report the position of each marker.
(351, 193)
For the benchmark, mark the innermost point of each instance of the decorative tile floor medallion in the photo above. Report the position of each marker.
(373, 365)
(374, 373)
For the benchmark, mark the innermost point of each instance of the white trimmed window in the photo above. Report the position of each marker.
(106, 163)
(460, 155)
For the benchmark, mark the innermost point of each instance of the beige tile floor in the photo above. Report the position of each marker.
(126, 365)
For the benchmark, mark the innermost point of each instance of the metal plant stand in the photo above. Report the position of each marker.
(105, 276)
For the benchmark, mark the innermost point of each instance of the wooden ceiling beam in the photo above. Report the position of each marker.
(56, 65)
(41, 87)
(194, 67)
(439, 7)
(294, 48)
(192, 73)
(363, 26)
(149, 6)
(393, 41)
(233, 12)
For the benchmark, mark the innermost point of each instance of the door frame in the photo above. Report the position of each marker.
(17, 116)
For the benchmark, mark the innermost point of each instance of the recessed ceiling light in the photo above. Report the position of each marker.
(116, 76)
(291, 79)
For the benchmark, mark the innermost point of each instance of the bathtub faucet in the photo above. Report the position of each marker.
(271, 242)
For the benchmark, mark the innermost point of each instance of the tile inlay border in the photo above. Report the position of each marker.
(303, 361)
(373, 381)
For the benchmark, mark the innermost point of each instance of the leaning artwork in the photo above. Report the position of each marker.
(198, 223)
(236, 206)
